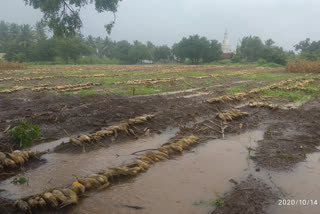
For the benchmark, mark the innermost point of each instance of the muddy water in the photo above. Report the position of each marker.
(44, 147)
(60, 168)
(175, 186)
(303, 183)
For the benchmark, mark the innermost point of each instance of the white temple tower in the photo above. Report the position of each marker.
(226, 45)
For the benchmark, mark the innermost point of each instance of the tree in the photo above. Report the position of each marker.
(193, 48)
(308, 50)
(162, 53)
(213, 51)
(196, 48)
(139, 52)
(121, 50)
(45, 50)
(178, 53)
(303, 46)
(274, 54)
(151, 47)
(251, 48)
(269, 43)
(72, 48)
(40, 32)
(16, 41)
(63, 16)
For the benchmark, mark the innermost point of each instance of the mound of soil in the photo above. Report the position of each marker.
(291, 135)
(251, 196)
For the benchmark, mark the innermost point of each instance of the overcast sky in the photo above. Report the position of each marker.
(166, 21)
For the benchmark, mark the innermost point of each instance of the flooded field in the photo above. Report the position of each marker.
(176, 186)
(59, 169)
(160, 139)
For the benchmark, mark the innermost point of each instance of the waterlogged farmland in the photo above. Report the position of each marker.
(122, 138)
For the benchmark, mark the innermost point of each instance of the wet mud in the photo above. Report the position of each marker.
(265, 156)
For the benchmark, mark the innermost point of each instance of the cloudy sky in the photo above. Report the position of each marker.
(166, 21)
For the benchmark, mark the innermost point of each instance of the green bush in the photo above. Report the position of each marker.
(262, 62)
(24, 133)
(236, 59)
(225, 62)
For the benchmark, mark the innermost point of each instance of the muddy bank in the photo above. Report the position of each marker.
(285, 169)
(251, 196)
(291, 135)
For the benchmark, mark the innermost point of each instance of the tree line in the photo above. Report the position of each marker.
(25, 43)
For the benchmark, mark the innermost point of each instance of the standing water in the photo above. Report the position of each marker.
(179, 185)
(60, 168)
(300, 186)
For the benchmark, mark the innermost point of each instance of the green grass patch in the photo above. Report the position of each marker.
(86, 93)
(237, 90)
(271, 76)
(295, 95)
(271, 65)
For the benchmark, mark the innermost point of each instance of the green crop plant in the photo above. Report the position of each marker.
(24, 133)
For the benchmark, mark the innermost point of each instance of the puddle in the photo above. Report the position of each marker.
(187, 184)
(43, 147)
(175, 186)
(300, 184)
(60, 168)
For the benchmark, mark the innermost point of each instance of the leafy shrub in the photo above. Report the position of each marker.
(24, 133)
(225, 62)
(261, 62)
(236, 58)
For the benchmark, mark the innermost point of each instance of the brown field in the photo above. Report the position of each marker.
(5, 65)
(303, 66)
(121, 138)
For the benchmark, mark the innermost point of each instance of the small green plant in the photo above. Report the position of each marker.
(24, 133)
(250, 149)
(21, 180)
(218, 202)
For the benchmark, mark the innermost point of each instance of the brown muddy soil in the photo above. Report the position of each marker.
(76, 114)
(290, 136)
(251, 196)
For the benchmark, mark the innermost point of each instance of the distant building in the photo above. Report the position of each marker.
(144, 61)
(226, 48)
